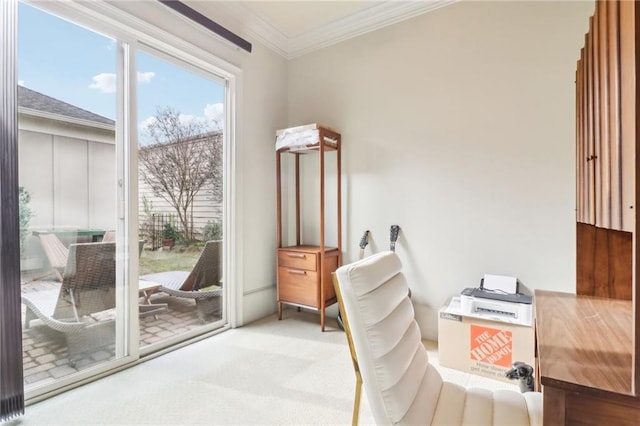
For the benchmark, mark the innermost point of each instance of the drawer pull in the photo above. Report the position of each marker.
(296, 272)
(296, 255)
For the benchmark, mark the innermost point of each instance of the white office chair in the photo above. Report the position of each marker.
(387, 351)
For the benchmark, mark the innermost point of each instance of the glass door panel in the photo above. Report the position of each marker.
(180, 188)
(68, 201)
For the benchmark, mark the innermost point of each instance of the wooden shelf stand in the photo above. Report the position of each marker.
(303, 270)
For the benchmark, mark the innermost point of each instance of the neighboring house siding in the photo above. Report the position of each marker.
(207, 204)
(71, 181)
(204, 208)
(67, 165)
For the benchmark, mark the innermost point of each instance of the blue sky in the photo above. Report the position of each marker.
(78, 66)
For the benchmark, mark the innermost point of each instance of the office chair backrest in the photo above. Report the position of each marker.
(400, 383)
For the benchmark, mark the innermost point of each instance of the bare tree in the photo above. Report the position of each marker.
(181, 158)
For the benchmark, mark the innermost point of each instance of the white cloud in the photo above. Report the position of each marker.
(213, 119)
(214, 110)
(144, 124)
(145, 77)
(188, 118)
(105, 82)
(184, 119)
(21, 82)
(214, 113)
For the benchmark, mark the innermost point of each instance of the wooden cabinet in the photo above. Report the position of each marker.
(299, 276)
(605, 130)
(605, 152)
(604, 262)
(588, 343)
(304, 271)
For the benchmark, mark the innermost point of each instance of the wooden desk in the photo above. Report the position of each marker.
(585, 348)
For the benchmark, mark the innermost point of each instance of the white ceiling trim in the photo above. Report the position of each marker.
(376, 17)
(258, 27)
(370, 19)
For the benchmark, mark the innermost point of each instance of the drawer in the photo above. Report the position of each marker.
(298, 286)
(297, 259)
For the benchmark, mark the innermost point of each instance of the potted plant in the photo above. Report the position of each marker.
(25, 213)
(169, 236)
(29, 260)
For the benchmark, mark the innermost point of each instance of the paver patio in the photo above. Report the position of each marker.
(45, 354)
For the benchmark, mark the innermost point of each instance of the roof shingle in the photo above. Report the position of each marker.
(31, 99)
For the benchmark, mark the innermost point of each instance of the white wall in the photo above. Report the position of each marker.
(458, 126)
(264, 111)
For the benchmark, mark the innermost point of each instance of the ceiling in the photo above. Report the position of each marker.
(295, 28)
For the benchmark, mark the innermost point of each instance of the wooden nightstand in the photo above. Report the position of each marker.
(301, 280)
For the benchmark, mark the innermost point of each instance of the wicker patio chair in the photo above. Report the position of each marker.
(88, 287)
(78, 308)
(202, 283)
(55, 251)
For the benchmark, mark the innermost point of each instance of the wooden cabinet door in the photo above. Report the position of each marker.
(605, 119)
(627, 63)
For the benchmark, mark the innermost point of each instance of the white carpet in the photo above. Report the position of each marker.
(269, 372)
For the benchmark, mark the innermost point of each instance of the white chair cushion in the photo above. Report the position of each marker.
(400, 383)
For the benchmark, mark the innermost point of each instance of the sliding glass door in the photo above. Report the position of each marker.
(123, 176)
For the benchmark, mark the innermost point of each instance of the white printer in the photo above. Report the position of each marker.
(473, 303)
(497, 299)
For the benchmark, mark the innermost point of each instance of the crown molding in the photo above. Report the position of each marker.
(371, 19)
(243, 18)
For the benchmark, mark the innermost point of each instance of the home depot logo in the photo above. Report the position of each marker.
(491, 346)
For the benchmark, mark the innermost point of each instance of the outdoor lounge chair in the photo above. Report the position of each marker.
(55, 251)
(202, 283)
(88, 287)
(77, 308)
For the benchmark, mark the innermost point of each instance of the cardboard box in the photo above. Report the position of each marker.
(483, 347)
